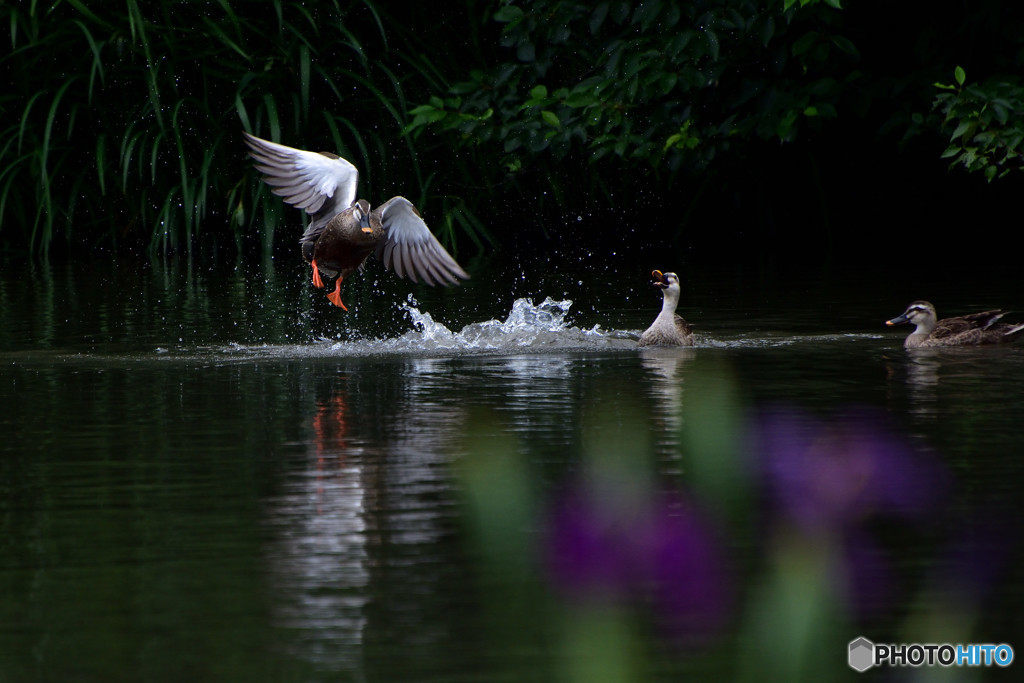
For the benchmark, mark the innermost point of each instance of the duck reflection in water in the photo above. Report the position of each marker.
(666, 366)
(330, 433)
(318, 561)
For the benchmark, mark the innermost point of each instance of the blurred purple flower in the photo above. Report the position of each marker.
(658, 551)
(829, 475)
(830, 478)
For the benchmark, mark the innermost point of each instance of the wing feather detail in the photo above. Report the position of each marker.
(311, 181)
(410, 249)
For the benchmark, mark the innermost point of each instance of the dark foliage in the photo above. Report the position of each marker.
(121, 124)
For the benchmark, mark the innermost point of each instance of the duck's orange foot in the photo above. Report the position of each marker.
(317, 282)
(335, 296)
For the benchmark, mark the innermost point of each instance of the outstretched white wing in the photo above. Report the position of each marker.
(314, 181)
(410, 249)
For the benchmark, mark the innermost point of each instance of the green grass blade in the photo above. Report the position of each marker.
(187, 184)
(271, 107)
(218, 32)
(243, 115)
(472, 226)
(14, 31)
(25, 117)
(128, 143)
(97, 63)
(154, 157)
(136, 25)
(380, 24)
(101, 164)
(44, 152)
(80, 6)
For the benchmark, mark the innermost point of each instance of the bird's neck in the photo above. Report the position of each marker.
(924, 327)
(668, 306)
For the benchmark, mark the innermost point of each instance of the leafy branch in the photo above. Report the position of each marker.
(987, 123)
(662, 83)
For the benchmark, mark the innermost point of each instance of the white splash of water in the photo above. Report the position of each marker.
(528, 326)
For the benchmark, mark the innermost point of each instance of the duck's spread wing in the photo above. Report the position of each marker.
(410, 249)
(318, 182)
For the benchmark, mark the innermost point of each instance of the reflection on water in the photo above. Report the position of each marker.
(922, 382)
(317, 560)
(206, 477)
(667, 389)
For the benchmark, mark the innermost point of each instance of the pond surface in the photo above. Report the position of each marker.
(211, 474)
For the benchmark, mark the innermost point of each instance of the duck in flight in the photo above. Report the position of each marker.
(344, 231)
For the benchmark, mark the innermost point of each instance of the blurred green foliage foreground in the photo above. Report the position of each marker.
(121, 121)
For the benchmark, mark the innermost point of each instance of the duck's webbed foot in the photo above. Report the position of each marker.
(317, 282)
(335, 296)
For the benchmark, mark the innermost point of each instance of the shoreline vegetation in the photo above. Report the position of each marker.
(123, 125)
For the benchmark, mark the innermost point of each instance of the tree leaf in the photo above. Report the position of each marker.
(961, 129)
(508, 14)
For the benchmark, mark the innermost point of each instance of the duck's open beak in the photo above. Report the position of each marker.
(659, 279)
(898, 320)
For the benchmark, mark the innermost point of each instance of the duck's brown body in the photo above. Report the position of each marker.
(338, 248)
(345, 231)
(972, 329)
(337, 255)
(669, 328)
(673, 331)
(341, 246)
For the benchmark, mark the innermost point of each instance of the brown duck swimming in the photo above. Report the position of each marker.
(965, 330)
(668, 329)
(344, 231)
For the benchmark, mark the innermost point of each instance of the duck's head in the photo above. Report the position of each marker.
(920, 313)
(361, 213)
(664, 280)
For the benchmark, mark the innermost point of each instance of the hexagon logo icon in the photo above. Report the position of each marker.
(862, 654)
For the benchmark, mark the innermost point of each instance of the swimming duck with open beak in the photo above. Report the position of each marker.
(669, 328)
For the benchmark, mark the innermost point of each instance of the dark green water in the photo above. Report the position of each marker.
(210, 474)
